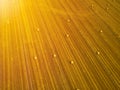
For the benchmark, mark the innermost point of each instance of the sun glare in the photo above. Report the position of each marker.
(8, 7)
(3, 3)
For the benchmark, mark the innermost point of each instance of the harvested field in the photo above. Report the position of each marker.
(59, 45)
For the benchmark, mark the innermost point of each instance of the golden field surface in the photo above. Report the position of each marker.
(59, 44)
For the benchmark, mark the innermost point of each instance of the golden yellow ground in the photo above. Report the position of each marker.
(59, 45)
